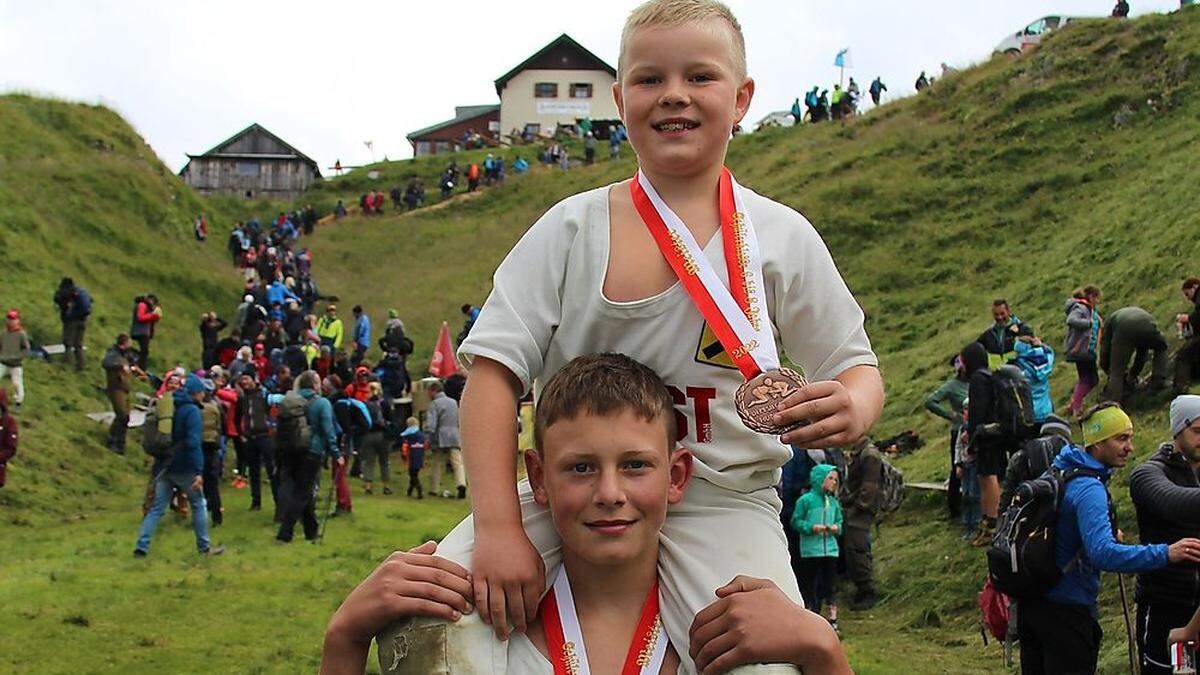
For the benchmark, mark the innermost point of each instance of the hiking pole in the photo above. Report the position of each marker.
(325, 513)
(1129, 634)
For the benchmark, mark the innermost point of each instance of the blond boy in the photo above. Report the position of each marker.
(588, 278)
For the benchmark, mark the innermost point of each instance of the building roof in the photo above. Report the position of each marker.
(462, 113)
(288, 152)
(562, 44)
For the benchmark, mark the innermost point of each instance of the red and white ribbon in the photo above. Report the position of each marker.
(737, 314)
(564, 635)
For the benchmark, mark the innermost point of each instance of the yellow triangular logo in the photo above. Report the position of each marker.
(710, 350)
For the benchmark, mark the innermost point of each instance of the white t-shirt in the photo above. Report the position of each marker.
(546, 308)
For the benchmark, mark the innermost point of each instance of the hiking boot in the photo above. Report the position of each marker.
(369, 490)
(984, 536)
(116, 449)
(214, 550)
(139, 553)
(462, 491)
(256, 507)
(387, 490)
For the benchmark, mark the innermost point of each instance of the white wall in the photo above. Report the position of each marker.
(518, 106)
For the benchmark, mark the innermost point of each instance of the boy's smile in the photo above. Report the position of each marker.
(680, 95)
(607, 481)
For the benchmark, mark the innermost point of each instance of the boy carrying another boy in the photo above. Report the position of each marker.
(601, 272)
(817, 520)
(606, 467)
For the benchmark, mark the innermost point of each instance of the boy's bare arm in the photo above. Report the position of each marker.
(839, 411)
(508, 571)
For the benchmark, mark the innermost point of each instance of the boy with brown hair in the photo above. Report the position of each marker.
(599, 272)
(606, 469)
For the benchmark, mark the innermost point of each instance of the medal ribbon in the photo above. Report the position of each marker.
(564, 635)
(737, 314)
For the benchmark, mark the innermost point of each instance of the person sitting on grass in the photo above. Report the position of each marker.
(607, 466)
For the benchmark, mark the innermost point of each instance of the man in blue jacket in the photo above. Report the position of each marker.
(362, 335)
(1059, 632)
(183, 471)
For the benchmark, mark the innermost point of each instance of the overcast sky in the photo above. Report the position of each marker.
(327, 76)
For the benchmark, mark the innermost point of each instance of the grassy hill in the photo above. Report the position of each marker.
(1020, 179)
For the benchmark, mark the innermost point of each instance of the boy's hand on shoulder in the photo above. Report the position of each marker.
(754, 622)
(836, 412)
(509, 579)
(412, 583)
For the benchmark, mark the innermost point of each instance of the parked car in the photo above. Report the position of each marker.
(1032, 34)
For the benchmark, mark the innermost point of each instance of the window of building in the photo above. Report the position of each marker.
(545, 90)
(581, 90)
(247, 169)
(533, 129)
(422, 148)
(443, 146)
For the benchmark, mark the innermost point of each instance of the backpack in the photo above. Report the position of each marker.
(255, 414)
(398, 341)
(351, 418)
(994, 606)
(1038, 454)
(891, 489)
(210, 421)
(156, 443)
(1021, 560)
(1012, 402)
(292, 433)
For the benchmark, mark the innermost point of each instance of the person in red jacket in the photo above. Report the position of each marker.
(8, 436)
(360, 388)
(262, 364)
(146, 313)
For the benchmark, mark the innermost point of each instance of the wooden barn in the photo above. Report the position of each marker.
(252, 163)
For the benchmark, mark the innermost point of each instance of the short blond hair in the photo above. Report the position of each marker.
(670, 13)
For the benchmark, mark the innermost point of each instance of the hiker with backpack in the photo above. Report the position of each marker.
(146, 314)
(119, 369)
(989, 446)
(376, 444)
(1165, 490)
(74, 306)
(817, 520)
(394, 340)
(1000, 339)
(1132, 332)
(1057, 627)
(353, 420)
(306, 437)
(947, 403)
(8, 437)
(1187, 359)
(180, 466)
(257, 447)
(861, 506)
(1083, 338)
(211, 423)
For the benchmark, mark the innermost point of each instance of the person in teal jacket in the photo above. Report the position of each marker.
(817, 521)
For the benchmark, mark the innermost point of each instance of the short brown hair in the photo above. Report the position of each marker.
(1190, 283)
(1090, 290)
(669, 13)
(604, 384)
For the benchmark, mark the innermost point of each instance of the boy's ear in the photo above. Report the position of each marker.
(536, 470)
(745, 94)
(681, 473)
(619, 99)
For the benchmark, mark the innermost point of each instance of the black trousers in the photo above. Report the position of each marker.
(817, 577)
(1153, 623)
(260, 453)
(414, 482)
(1057, 639)
(954, 493)
(143, 350)
(212, 480)
(298, 491)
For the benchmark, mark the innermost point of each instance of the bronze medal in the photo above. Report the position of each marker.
(758, 398)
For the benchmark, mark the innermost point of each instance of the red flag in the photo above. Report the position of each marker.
(443, 364)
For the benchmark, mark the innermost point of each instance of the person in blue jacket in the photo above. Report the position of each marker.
(362, 335)
(1036, 360)
(1059, 632)
(183, 470)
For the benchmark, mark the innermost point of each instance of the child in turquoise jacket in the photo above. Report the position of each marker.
(817, 521)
